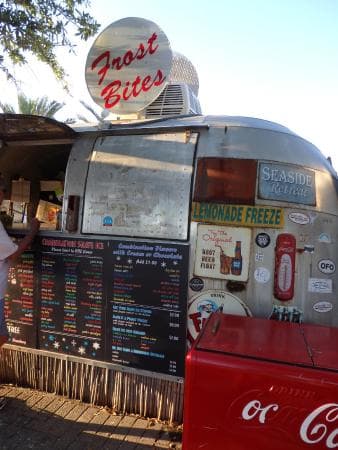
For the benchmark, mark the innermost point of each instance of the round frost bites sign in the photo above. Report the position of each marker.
(128, 65)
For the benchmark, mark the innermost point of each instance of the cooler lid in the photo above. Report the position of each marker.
(263, 339)
(323, 342)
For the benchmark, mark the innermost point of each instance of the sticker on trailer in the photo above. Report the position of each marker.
(324, 238)
(262, 240)
(196, 284)
(323, 307)
(299, 218)
(262, 275)
(320, 285)
(326, 266)
(259, 257)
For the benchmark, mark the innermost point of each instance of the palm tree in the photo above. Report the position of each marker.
(38, 107)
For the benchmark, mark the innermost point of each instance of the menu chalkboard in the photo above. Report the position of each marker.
(72, 296)
(119, 301)
(147, 305)
(20, 306)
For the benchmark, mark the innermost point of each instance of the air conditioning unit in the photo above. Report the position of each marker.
(174, 100)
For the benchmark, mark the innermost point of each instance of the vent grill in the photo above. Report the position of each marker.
(175, 99)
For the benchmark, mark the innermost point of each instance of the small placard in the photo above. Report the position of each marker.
(286, 183)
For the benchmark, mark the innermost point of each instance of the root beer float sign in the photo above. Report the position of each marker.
(128, 65)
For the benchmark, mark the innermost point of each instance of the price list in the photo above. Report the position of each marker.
(147, 306)
(72, 297)
(20, 307)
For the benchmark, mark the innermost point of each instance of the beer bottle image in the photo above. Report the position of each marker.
(236, 264)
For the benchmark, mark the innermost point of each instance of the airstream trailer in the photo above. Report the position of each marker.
(152, 221)
(160, 223)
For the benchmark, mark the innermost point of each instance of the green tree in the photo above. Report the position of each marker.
(40, 106)
(39, 27)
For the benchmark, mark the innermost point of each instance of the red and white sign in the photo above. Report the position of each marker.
(128, 65)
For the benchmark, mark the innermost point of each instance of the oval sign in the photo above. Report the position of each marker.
(326, 266)
(300, 218)
(128, 65)
(322, 307)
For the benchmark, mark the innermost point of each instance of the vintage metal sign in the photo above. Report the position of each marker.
(128, 65)
(222, 252)
(286, 183)
(239, 215)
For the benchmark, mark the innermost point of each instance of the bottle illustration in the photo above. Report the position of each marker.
(236, 264)
(225, 262)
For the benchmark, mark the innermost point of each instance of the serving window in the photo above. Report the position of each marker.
(140, 185)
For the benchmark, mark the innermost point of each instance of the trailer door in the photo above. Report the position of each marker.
(139, 185)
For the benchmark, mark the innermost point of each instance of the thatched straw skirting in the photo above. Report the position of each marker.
(98, 383)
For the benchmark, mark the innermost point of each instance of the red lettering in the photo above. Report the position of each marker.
(112, 95)
(151, 40)
(140, 54)
(109, 93)
(103, 71)
(125, 94)
(145, 83)
(159, 78)
(196, 320)
(136, 82)
(128, 57)
(117, 62)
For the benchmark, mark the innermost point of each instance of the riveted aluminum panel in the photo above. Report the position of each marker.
(139, 185)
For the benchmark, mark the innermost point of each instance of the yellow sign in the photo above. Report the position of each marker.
(240, 215)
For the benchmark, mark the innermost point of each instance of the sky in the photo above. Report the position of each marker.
(269, 59)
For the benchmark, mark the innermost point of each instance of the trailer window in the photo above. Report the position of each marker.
(226, 181)
(139, 185)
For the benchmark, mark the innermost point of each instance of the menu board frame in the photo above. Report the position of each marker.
(161, 266)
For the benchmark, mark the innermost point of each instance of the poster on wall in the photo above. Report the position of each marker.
(147, 306)
(72, 297)
(222, 252)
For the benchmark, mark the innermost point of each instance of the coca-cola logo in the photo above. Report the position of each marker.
(318, 426)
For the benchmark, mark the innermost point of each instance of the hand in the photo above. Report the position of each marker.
(34, 225)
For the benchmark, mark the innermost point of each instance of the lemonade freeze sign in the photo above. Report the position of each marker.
(222, 252)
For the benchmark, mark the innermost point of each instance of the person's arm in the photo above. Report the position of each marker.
(27, 240)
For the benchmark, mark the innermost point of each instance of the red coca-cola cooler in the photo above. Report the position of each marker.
(261, 384)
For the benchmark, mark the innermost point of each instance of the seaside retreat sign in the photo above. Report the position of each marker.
(287, 183)
(128, 65)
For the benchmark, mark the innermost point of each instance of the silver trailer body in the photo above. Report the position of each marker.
(146, 174)
(161, 222)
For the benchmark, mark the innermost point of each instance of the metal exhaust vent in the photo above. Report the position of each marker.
(180, 95)
(174, 100)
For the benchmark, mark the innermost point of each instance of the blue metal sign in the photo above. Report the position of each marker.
(286, 183)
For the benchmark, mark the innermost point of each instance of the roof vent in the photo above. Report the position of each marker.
(180, 95)
(174, 100)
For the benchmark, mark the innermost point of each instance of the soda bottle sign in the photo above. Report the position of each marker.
(236, 265)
